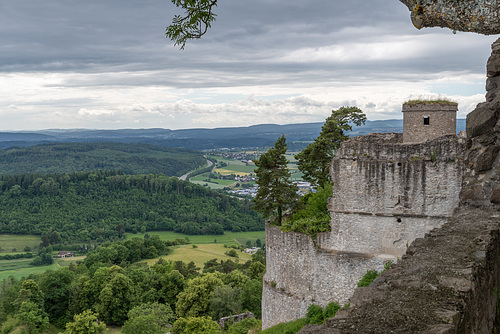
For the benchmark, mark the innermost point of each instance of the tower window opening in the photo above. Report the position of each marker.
(427, 120)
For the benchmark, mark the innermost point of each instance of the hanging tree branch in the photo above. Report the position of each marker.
(197, 18)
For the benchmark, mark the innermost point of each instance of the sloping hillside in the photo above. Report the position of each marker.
(75, 157)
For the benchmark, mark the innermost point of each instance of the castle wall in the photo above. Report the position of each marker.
(442, 119)
(300, 273)
(385, 195)
(449, 281)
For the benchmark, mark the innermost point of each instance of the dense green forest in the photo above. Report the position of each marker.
(76, 157)
(103, 205)
(142, 298)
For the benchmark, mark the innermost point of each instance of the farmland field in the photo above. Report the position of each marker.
(213, 184)
(21, 268)
(24, 269)
(8, 242)
(228, 238)
(201, 254)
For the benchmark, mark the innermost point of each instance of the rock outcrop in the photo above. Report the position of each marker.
(481, 184)
(480, 16)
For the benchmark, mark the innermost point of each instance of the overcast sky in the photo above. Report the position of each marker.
(107, 64)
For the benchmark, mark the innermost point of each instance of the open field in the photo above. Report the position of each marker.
(236, 167)
(209, 184)
(114, 329)
(227, 238)
(201, 254)
(21, 268)
(214, 183)
(8, 242)
(26, 271)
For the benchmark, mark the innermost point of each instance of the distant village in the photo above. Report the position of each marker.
(245, 189)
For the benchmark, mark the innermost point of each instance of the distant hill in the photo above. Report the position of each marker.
(75, 157)
(262, 135)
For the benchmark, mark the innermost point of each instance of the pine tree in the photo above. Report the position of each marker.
(276, 192)
(314, 160)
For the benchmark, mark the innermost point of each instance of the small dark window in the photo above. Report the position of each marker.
(399, 220)
(427, 120)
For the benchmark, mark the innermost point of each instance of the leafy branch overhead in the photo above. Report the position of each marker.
(198, 17)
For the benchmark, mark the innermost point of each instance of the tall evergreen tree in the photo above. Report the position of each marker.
(276, 192)
(314, 160)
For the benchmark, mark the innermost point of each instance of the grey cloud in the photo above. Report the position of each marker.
(116, 44)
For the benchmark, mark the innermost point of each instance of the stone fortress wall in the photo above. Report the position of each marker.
(448, 281)
(425, 121)
(385, 195)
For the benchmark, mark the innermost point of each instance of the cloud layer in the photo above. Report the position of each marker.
(107, 64)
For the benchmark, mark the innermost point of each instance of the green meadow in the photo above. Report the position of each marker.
(13, 243)
(228, 238)
(201, 254)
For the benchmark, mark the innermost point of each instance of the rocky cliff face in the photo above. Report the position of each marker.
(480, 16)
(481, 183)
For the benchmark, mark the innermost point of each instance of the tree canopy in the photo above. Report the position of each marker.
(85, 296)
(314, 160)
(103, 205)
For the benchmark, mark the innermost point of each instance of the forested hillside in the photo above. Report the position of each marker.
(75, 157)
(103, 205)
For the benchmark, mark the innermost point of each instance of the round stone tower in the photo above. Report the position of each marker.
(427, 120)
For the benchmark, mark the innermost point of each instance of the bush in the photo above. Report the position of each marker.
(231, 253)
(368, 278)
(312, 217)
(291, 327)
(245, 326)
(201, 325)
(314, 314)
(330, 310)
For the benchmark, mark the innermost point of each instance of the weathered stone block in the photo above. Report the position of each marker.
(484, 160)
(492, 85)
(473, 194)
(481, 120)
(493, 65)
(495, 195)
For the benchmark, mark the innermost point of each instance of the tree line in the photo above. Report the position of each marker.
(103, 205)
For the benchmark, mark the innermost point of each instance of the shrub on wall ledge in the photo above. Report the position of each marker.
(312, 215)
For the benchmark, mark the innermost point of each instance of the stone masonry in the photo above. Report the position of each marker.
(385, 195)
(428, 120)
(448, 281)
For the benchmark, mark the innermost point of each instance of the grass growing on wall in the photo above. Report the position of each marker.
(430, 101)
